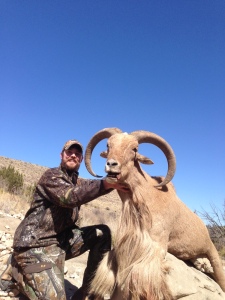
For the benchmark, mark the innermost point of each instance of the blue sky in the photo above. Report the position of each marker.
(70, 68)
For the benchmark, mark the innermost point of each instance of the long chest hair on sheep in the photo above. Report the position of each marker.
(135, 268)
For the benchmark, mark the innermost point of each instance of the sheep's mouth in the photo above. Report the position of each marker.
(112, 177)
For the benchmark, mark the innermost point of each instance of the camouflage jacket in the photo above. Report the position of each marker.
(54, 209)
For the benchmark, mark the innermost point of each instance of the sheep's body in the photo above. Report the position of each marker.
(174, 225)
(153, 221)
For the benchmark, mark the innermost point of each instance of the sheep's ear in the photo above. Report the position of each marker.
(143, 159)
(103, 154)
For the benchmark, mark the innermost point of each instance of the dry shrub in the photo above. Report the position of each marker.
(215, 220)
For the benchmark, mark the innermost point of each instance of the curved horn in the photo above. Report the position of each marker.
(99, 136)
(150, 137)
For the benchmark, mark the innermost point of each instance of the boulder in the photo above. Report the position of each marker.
(187, 283)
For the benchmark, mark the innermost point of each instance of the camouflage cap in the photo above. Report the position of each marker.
(71, 143)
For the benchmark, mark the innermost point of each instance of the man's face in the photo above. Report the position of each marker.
(71, 159)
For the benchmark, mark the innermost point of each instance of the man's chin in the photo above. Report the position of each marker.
(71, 166)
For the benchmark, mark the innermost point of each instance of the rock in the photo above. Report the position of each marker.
(3, 294)
(9, 243)
(74, 275)
(8, 236)
(3, 239)
(18, 216)
(2, 247)
(4, 252)
(4, 259)
(14, 293)
(187, 283)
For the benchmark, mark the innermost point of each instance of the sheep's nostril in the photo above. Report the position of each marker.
(111, 163)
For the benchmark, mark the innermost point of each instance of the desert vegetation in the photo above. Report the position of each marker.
(215, 220)
(15, 194)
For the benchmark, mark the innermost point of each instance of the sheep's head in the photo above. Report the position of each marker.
(122, 150)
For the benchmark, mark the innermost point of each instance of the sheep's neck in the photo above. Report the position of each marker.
(135, 221)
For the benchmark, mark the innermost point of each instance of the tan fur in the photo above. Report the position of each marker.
(153, 221)
(105, 277)
(139, 274)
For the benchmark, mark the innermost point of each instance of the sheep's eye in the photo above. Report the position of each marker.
(135, 150)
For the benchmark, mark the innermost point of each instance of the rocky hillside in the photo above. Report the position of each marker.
(31, 172)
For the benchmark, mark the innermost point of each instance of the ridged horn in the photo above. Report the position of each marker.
(152, 138)
(98, 137)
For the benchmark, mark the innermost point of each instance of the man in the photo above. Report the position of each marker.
(48, 234)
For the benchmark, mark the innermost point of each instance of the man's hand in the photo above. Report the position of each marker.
(117, 186)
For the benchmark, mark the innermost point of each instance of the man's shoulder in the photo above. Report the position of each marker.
(52, 172)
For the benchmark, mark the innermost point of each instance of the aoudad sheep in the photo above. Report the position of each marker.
(153, 221)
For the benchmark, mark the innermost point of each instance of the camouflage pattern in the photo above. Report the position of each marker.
(55, 207)
(48, 235)
(71, 143)
(46, 284)
(39, 272)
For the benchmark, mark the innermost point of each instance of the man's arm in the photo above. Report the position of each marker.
(55, 187)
